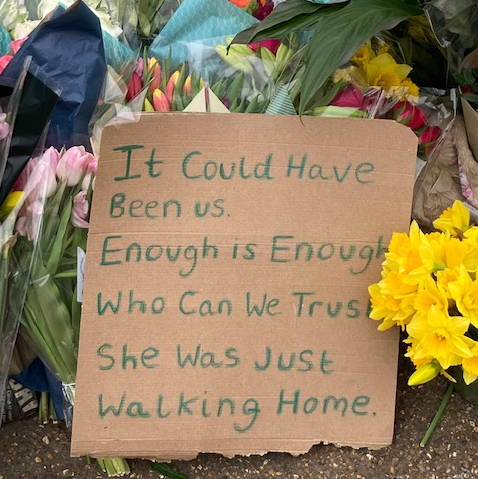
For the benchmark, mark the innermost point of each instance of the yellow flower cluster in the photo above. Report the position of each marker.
(429, 288)
(379, 69)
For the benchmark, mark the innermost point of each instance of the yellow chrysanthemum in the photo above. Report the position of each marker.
(465, 293)
(454, 220)
(470, 365)
(440, 336)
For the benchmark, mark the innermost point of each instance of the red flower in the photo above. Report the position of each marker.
(134, 87)
(271, 44)
(409, 115)
(430, 135)
(350, 96)
(263, 10)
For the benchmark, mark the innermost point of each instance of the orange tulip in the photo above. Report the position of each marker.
(171, 85)
(187, 87)
(160, 101)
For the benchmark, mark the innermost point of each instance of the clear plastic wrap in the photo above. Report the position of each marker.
(9, 316)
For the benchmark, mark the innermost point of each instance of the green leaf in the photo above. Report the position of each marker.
(167, 471)
(340, 33)
(287, 16)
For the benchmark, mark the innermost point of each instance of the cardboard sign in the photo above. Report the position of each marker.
(225, 301)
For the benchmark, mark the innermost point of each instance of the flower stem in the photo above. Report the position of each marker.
(438, 415)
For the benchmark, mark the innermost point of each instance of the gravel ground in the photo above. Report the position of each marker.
(28, 450)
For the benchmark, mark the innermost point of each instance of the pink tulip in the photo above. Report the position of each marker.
(350, 96)
(73, 165)
(80, 210)
(29, 224)
(409, 115)
(271, 44)
(171, 85)
(91, 168)
(160, 101)
(4, 127)
(38, 178)
(4, 61)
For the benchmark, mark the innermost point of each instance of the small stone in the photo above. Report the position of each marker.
(46, 439)
(65, 471)
(475, 429)
(37, 459)
(392, 470)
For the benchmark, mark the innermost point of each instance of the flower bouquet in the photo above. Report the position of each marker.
(429, 288)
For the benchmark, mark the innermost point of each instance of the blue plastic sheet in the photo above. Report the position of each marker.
(196, 25)
(68, 56)
(38, 378)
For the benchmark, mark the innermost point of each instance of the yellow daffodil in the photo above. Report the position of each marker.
(470, 365)
(445, 277)
(440, 336)
(454, 220)
(404, 254)
(385, 72)
(364, 54)
(465, 293)
(471, 240)
(425, 373)
(430, 294)
(392, 301)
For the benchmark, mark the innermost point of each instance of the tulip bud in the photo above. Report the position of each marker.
(73, 165)
(171, 85)
(187, 87)
(134, 87)
(160, 101)
(80, 210)
(409, 115)
(425, 373)
(350, 97)
(155, 77)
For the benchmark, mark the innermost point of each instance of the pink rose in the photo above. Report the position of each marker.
(73, 165)
(409, 115)
(350, 96)
(80, 210)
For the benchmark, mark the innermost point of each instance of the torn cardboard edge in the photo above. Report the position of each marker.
(173, 455)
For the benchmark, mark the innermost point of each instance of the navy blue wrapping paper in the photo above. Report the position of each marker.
(68, 56)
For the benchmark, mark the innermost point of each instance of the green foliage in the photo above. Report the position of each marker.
(337, 31)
